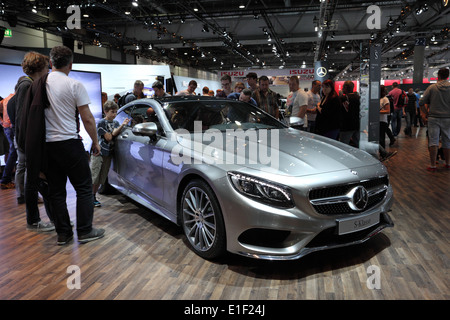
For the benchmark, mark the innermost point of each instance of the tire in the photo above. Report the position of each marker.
(202, 221)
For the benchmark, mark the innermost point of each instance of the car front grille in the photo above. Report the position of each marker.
(335, 200)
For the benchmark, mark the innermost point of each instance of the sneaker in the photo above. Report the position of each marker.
(432, 169)
(447, 166)
(64, 239)
(97, 203)
(9, 185)
(41, 226)
(91, 236)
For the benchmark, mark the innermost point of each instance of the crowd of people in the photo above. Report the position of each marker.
(40, 121)
(320, 109)
(42, 117)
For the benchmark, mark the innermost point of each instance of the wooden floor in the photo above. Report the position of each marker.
(144, 256)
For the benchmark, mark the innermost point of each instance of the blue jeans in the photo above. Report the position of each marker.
(68, 159)
(409, 120)
(20, 171)
(397, 121)
(12, 156)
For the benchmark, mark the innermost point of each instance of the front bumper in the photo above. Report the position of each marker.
(263, 232)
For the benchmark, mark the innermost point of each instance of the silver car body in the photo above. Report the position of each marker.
(326, 180)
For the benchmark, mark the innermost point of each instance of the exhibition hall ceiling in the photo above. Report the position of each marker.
(213, 35)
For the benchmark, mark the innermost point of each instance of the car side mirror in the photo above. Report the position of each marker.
(148, 129)
(295, 120)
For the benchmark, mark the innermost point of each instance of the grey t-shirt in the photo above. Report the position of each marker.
(437, 96)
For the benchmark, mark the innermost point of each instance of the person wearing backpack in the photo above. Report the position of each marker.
(399, 97)
(138, 93)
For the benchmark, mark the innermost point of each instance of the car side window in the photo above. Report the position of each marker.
(141, 113)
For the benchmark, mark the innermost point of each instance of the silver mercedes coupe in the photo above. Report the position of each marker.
(236, 179)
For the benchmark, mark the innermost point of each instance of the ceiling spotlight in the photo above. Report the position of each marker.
(135, 3)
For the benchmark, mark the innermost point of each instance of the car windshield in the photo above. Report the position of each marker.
(218, 114)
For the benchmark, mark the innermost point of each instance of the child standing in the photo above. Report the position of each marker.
(107, 130)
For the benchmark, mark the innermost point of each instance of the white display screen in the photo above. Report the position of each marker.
(91, 81)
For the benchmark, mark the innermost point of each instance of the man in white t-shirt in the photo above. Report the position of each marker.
(67, 158)
(313, 100)
(296, 103)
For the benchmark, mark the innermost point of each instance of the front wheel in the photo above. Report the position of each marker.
(202, 220)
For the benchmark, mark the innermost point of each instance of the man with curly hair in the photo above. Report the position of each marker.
(35, 66)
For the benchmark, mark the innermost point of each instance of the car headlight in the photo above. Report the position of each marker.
(262, 190)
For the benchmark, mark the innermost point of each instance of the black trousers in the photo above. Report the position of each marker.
(384, 129)
(68, 159)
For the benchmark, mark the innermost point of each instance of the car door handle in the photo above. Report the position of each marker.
(124, 136)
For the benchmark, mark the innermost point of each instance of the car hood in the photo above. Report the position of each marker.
(284, 152)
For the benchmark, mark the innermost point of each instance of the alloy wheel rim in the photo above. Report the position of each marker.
(199, 219)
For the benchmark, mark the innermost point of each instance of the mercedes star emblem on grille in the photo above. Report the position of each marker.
(359, 197)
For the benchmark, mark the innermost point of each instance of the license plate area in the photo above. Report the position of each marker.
(357, 223)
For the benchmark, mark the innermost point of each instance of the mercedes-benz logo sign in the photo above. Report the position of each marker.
(358, 198)
(322, 72)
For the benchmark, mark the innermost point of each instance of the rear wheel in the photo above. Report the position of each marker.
(202, 220)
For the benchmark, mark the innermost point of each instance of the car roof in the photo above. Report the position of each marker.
(191, 98)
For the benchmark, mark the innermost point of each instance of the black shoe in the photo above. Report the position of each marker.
(91, 236)
(64, 239)
(21, 200)
(392, 142)
(388, 156)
